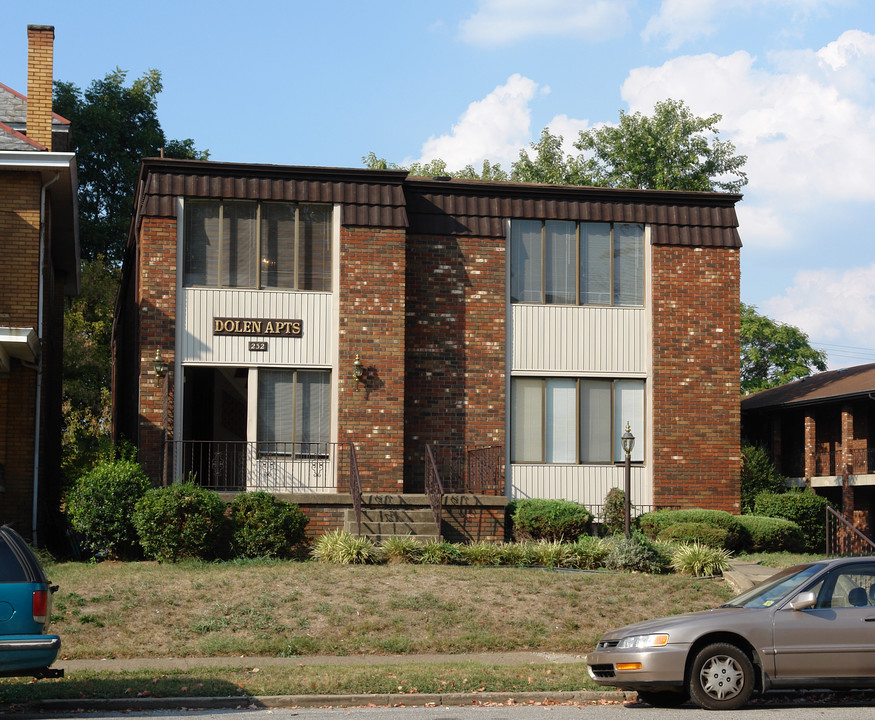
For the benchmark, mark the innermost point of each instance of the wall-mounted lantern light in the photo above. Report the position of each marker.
(358, 370)
(159, 365)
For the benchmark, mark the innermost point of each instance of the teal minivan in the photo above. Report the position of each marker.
(25, 611)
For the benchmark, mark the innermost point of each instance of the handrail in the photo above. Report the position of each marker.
(433, 488)
(355, 488)
(851, 540)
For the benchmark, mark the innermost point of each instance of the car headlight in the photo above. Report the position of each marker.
(643, 641)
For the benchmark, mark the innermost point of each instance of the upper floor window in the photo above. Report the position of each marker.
(559, 262)
(247, 244)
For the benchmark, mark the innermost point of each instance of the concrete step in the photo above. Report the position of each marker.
(379, 538)
(385, 528)
(383, 515)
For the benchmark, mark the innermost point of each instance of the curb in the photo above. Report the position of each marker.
(293, 701)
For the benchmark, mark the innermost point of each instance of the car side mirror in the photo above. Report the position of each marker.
(803, 601)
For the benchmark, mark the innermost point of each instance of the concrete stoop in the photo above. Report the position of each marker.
(385, 522)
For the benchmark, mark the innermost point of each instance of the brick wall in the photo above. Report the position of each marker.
(157, 302)
(372, 307)
(456, 346)
(696, 412)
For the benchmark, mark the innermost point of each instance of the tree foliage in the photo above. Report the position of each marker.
(114, 127)
(773, 353)
(672, 149)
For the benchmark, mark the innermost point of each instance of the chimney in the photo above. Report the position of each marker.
(40, 39)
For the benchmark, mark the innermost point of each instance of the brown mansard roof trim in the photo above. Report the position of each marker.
(437, 206)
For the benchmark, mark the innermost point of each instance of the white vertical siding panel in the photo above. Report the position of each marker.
(585, 484)
(199, 345)
(555, 338)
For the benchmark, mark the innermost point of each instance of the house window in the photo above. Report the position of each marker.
(575, 420)
(249, 244)
(293, 411)
(568, 263)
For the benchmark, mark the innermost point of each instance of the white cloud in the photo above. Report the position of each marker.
(494, 128)
(830, 305)
(682, 21)
(501, 22)
(808, 137)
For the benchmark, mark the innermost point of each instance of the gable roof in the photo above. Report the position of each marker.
(13, 119)
(823, 387)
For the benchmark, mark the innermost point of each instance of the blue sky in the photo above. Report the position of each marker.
(324, 83)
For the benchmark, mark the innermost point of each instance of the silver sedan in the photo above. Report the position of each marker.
(809, 626)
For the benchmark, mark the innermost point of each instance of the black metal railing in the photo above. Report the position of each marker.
(843, 539)
(434, 489)
(477, 469)
(270, 466)
(355, 488)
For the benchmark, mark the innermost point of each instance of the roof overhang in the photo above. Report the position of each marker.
(59, 169)
(21, 343)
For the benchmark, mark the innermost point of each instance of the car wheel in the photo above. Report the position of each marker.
(721, 677)
(665, 699)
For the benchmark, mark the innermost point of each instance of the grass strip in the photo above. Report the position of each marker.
(401, 679)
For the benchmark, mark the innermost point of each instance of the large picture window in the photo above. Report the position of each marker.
(294, 407)
(575, 420)
(569, 263)
(245, 244)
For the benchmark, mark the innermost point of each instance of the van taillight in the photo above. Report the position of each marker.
(40, 605)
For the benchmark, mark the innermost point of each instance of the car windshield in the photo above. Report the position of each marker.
(775, 588)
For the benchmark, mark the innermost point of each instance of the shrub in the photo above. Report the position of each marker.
(758, 474)
(480, 553)
(614, 513)
(550, 520)
(694, 532)
(401, 549)
(342, 548)
(772, 534)
(264, 526)
(634, 554)
(180, 521)
(101, 505)
(440, 553)
(653, 523)
(699, 560)
(589, 553)
(806, 509)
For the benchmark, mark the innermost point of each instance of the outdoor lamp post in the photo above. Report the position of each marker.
(628, 440)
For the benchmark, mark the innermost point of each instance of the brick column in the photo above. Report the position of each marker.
(810, 447)
(40, 39)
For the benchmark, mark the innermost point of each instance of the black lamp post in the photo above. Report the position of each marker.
(628, 440)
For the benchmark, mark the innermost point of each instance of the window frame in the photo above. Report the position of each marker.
(546, 292)
(543, 421)
(259, 273)
(300, 449)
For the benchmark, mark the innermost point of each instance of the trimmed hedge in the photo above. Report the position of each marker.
(805, 508)
(772, 534)
(180, 521)
(654, 523)
(265, 526)
(550, 520)
(101, 504)
(695, 532)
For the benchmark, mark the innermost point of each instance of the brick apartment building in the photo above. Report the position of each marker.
(40, 265)
(272, 317)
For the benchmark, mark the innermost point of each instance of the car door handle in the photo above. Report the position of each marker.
(869, 619)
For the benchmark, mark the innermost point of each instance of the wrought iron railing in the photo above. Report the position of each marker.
(433, 488)
(270, 466)
(477, 469)
(635, 510)
(355, 488)
(843, 539)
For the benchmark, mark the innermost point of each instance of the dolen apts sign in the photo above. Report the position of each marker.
(263, 327)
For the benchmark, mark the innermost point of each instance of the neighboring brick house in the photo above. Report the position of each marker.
(516, 328)
(820, 431)
(39, 267)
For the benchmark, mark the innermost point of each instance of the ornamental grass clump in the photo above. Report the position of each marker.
(589, 553)
(699, 560)
(342, 548)
(440, 553)
(401, 549)
(480, 553)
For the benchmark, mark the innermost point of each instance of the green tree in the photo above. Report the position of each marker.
(773, 353)
(550, 165)
(438, 168)
(670, 150)
(114, 127)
